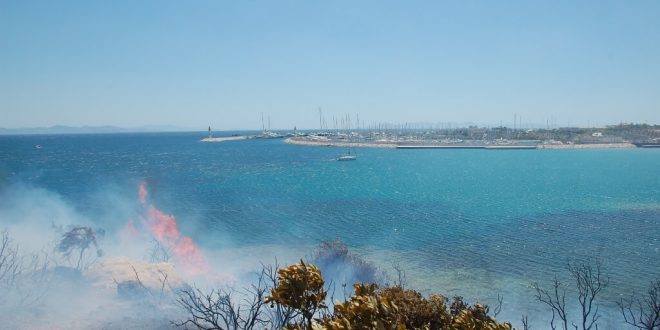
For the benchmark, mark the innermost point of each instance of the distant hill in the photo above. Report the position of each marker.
(61, 129)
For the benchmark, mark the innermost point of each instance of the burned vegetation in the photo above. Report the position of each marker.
(299, 300)
(76, 241)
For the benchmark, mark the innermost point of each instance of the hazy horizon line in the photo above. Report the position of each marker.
(91, 129)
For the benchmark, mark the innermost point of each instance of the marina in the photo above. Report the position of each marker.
(329, 142)
(495, 138)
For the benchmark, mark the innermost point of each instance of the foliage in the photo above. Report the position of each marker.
(414, 311)
(298, 299)
(364, 310)
(476, 317)
(396, 308)
(300, 286)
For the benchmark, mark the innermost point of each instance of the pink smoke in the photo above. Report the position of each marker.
(165, 230)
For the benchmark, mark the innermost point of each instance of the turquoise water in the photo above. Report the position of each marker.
(474, 222)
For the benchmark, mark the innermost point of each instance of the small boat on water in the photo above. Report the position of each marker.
(37, 146)
(342, 158)
(346, 157)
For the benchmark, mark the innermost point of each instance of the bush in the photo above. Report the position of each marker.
(300, 286)
(396, 308)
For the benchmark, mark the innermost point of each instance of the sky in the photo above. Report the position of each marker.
(224, 63)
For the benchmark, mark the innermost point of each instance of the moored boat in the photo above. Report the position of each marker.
(652, 144)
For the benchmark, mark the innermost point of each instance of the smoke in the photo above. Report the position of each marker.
(147, 258)
(341, 267)
(30, 214)
(79, 287)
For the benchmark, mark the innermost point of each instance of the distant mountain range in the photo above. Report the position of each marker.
(61, 129)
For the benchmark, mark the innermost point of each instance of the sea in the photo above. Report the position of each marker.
(474, 223)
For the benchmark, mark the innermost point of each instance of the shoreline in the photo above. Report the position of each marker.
(394, 145)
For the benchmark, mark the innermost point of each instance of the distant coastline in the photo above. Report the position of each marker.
(61, 129)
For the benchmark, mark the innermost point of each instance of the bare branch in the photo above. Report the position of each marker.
(401, 280)
(643, 313)
(163, 280)
(219, 309)
(498, 308)
(525, 323)
(279, 315)
(23, 282)
(10, 263)
(556, 300)
(589, 283)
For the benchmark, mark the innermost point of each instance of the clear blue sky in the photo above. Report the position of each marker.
(195, 63)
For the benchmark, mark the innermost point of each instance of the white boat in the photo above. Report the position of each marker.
(346, 156)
